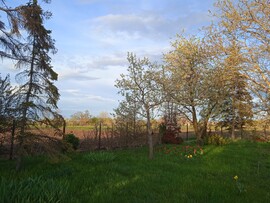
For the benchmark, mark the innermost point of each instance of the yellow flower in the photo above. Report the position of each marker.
(190, 156)
(235, 177)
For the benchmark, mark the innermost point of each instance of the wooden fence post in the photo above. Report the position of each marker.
(12, 139)
(112, 133)
(126, 134)
(99, 136)
(64, 127)
(187, 131)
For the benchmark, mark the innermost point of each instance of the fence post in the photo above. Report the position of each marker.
(126, 134)
(242, 132)
(12, 139)
(99, 136)
(64, 127)
(221, 131)
(187, 131)
(112, 133)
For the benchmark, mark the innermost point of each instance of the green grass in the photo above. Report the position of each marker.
(88, 127)
(128, 176)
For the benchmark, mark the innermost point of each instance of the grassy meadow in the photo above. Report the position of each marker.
(236, 172)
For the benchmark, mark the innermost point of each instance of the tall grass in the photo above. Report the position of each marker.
(128, 176)
(98, 157)
(32, 189)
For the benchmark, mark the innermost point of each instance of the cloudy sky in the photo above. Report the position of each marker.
(94, 36)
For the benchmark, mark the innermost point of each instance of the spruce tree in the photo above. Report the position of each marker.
(37, 90)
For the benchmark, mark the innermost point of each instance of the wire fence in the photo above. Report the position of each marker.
(110, 136)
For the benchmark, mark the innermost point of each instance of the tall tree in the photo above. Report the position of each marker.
(237, 108)
(80, 118)
(140, 84)
(191, 81)
(126, 115)
(237, 105)
(39, 94)
(247, 22)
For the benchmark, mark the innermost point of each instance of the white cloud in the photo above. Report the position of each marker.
(75, 74)
(133, 26)
(71, 91)
(105, 61)
(78, 97)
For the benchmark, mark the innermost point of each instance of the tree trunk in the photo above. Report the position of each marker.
(134, 125)
(12, 140)
(233, 121)
(149, 134)
(21, 135)
(203, 129)
(233, 117)
(233, 129)
(195, 124)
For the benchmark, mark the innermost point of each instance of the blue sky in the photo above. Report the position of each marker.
(94, 36)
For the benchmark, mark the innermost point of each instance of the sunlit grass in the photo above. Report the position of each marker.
(128, 175)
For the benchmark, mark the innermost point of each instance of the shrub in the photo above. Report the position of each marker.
(170, 138)
(73, 140)
(216, 140)
(259, 138)
(162, 129)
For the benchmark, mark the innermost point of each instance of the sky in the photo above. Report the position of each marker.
(94, 36)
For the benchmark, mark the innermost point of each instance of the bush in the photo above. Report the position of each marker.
(259, 138)
(170, 138)
(73, 140)
(216, 140)
(162, 129)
